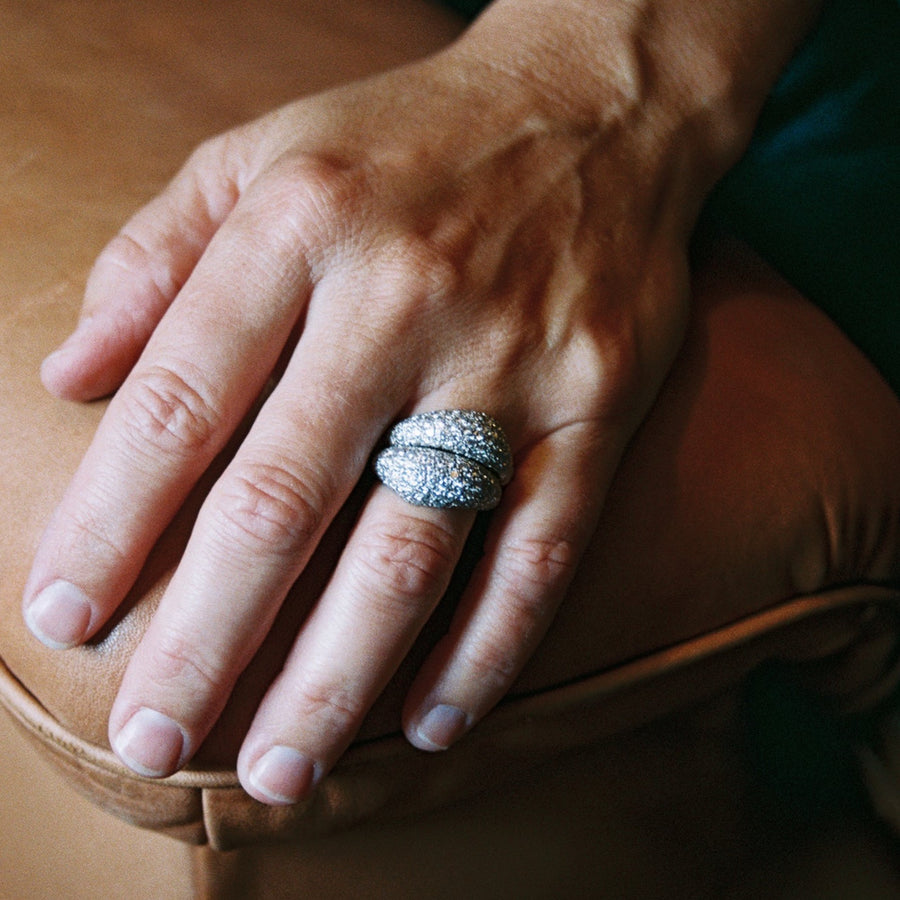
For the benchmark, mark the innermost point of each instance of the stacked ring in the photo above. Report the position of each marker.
(447, 459)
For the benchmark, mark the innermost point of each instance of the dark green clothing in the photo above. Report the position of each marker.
(467, 7)
(818, 191)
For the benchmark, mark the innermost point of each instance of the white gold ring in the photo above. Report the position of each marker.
(447, 459)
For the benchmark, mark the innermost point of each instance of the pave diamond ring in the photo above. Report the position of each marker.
(447, 459)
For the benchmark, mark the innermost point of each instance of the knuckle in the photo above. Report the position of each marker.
(409, 560)
(411, 282)
(617, 363)
(177, 660)
(323, 203)
(622, 353)
(268, 505)
(410, 289)
(164, 409)
(492, 664)
(604, 358)
(417, 271)
(213, 178)
(316, 199)
(208, 154)
(127, 253)
(527, 573)
(321, 698)
(124, 251)
(88, 523)
(529, 567)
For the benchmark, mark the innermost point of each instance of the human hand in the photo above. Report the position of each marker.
(439, 237)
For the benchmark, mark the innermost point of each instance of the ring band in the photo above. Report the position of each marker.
(447, 459)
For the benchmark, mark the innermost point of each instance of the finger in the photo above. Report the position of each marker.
(202, 370)
(395, 569)
(255, 532)
(265, 515)
(534, 544)
(138, 275)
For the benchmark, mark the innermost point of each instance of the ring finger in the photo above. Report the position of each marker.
(395, 568)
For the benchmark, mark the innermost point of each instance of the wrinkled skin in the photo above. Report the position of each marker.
(453, 234)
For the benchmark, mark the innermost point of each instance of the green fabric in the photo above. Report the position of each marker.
(467, 7)
(818, 190)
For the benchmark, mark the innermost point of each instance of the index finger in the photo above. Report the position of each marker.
(200, 373)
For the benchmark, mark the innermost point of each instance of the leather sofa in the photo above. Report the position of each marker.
(710, 716)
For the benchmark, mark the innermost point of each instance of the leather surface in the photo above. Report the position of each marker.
(54, 843)
(765, 476)
(669, 811)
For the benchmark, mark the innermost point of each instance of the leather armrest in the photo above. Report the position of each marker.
(755, 515)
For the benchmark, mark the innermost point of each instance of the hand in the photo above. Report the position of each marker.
(449, 235)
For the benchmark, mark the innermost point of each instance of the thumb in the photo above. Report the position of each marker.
(137, 276)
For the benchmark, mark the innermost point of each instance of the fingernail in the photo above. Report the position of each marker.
(151, 744)
(441, 727)
(283, 775)
(59, 616)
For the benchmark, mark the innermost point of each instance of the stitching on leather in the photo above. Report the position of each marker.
(31, 715)
(27, 710)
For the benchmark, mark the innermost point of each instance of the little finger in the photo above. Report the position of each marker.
(533, 548)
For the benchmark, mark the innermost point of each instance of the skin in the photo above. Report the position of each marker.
(514, 211)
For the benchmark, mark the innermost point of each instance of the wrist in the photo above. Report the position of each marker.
(691, 76)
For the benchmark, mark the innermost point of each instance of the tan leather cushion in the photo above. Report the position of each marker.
(765, 475)
(56, 844)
